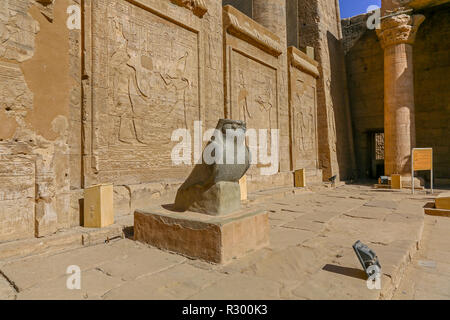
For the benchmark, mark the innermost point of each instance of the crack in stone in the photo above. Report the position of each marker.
(356, 217)
(10, 281)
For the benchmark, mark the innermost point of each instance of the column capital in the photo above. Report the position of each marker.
(401, 28)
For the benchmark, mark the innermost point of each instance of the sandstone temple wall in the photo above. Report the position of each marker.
(253, 73)
(431, 85)
(38, 87)
(98, 103)
(151, 67)
(319, 27)
(303, 74)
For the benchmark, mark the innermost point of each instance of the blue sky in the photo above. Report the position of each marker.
(350, 8)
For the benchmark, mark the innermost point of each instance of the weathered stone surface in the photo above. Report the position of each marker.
(7, 291)
(213, 239)
(319, 27)
(303, 73)
(17, 197)
(255, 83)
(129, 138)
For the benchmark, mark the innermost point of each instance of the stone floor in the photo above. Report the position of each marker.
(428, 275)
(310, 257)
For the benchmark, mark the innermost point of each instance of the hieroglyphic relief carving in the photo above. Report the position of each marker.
(146, 80)
(18, 30)
(332, 134)
(244, 114)
(303, 74)
(254, 93)
(254, 98)
(17, 197)
(304, 119)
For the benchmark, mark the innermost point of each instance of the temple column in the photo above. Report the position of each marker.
(271, 14)
(397, 35)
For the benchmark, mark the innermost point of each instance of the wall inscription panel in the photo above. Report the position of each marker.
(145, 84)
(303, 73)
(304, 122)
(17, 198)
(254, 92)
(252, 77)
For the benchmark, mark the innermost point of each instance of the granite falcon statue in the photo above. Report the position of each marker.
(213, 188)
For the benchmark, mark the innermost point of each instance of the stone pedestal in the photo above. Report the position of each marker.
(396, 181)
(443, 201)
(198, 236)
(397, 34)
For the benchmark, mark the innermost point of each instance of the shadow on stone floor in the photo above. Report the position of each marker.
(349, 272)
(129, 232)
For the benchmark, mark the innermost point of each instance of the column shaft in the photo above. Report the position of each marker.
(397, 35)
(399, 108)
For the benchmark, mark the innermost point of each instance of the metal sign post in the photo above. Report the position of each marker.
(422, 160)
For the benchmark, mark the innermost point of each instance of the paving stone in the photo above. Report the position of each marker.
(343, 284)
(34, 270)
(179, 282)
(386, 204)
(310, 257)
(241, 287)
(94, 284)
(134, 265)
(286, 237)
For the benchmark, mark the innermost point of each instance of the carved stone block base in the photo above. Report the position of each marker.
(213, 239)
(220, 199)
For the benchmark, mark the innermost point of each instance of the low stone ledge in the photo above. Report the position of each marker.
(61, 241)
(239, 25)
(302, 62)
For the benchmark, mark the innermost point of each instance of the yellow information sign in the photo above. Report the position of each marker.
(423, 159)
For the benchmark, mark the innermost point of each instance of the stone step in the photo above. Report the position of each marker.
(61, 241)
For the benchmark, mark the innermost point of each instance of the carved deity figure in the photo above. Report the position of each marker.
(264, 100)
(124, 84)
(135, 77)
(243, 98)
(304, 121)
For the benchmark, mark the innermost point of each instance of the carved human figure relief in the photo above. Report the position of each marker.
(174, 77)
(136, 75)
(244, 112)
(332, 126)
(123, 81)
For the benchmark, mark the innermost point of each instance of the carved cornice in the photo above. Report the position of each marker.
(198, 7)
(302, 62)
(400, 28)
(241, 26)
